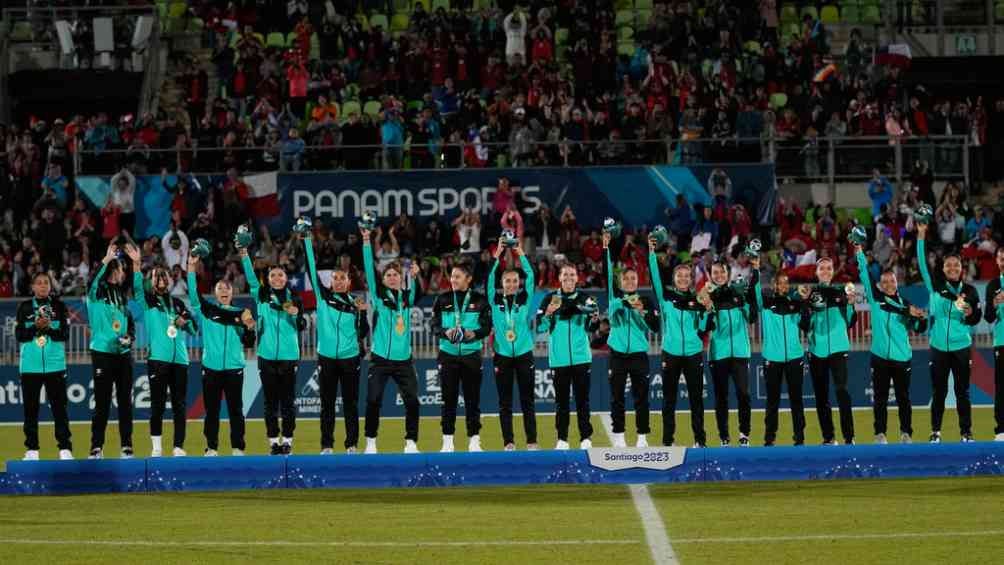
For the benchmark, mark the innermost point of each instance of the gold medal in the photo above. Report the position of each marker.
(849, 288)
(399, 326)
(510, 335)
(287, 305)
(116, 326)
(41, 341)
(172, 331)
(960, 303)
(633, 299)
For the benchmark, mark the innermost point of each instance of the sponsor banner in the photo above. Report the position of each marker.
(81, 401)
(655, 458)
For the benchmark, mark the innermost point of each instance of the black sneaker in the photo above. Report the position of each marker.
(967, 438)
(799, 442)
(725, 442)
(287, 449)
(849, 441)
(126, 452)
(276, 449)
(768, 443)
(744, 441)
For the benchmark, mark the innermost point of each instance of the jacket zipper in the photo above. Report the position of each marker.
(338, 333)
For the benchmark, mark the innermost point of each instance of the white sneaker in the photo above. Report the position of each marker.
(999, 437)
(447, 445)
(179, 452)
(532, 447)
(905, 438)
(410, 446)
(237, 452)
(155, 453)
(350, 450)
(30, 455)
(65, 455)
(935, 437)
(881, 439)
(511, 447)
(617, 440)
(474, 444)
(586, 444)
(210, 453)
(371, 447)
(642, 441)
(327, 451)
(157, 448)
(96, 453)
(562, 445)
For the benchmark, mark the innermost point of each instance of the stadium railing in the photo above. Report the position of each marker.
(835, 159)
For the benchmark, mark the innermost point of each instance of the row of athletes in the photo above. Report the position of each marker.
(463, 318)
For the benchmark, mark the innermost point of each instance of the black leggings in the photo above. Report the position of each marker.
(55, 391)
(455, 372)
(216, 384)
(565, 378)
(111, 370)
(776, 373)
(885, 371)
(692, 368)
(821, 368)
(164, 376)
(959, 364)
(403, 374)
(739, 370)
(632, 366)
(332, 374)
(278, 382)
(519, 370)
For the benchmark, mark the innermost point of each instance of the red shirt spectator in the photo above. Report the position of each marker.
(592, 249)
(297, 76)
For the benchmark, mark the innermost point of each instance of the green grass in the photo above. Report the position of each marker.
(391, 438)
(703, 523)
(822, 522)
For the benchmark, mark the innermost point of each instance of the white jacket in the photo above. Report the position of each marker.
(515, 35)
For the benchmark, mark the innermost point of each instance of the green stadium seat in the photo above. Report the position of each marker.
(788, 14)
(437, 4)
(416, 105)
(399, 22)
(21, 32)
(778, 100)
(810, 11)
(625, 33)
(624, 18)
(379, 20)
(643, 17)
(829, 15)
(871, 15)
(275, 39)
(561, 36)
(849, 14)
(291, 39)
(625, 48)
(315, 46)
(372, 108)
(999, 12)
(623, 5)
(643, 4)
(348, 108)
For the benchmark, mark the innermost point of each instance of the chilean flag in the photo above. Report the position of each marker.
(894, 55)
(262, 200)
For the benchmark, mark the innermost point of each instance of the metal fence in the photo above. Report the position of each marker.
(425, 345)
(829, 159)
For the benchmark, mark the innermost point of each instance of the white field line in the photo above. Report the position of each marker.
(655, 530)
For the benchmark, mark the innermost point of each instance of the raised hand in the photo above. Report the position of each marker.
(606, 240)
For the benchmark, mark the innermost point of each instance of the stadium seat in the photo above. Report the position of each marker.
(425, 4)
(849, 14)
(829, 15)
(416, 105)
(379, 20)
(643, 17)
(625, 33)
(399, 22)
(561, 36)
(999, 12)
(778, 100)
(753, 47)
(275, 39)
(363, 21)
(811, 12)
(350, 107)
(625, 48)
(623, 5)
(437, 4)
(315, 47)
(643, 4)
(871, 15)
(788, 14)
(21, 32)
(624, 18)
(372, 108)
(291, 39)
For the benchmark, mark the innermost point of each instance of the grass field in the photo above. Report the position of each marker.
(911, 521)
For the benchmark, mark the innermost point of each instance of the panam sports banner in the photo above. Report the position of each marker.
(634, 195)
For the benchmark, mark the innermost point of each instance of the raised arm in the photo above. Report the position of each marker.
(653, 267)
(490, 283)
(368, 269)
(308, 247)
(757, 291)
(922, 257)
(253, 285)
(531, 282)
(139, 294)
(608, 267)
(92, 291)
(866, 280)
(193, 292)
